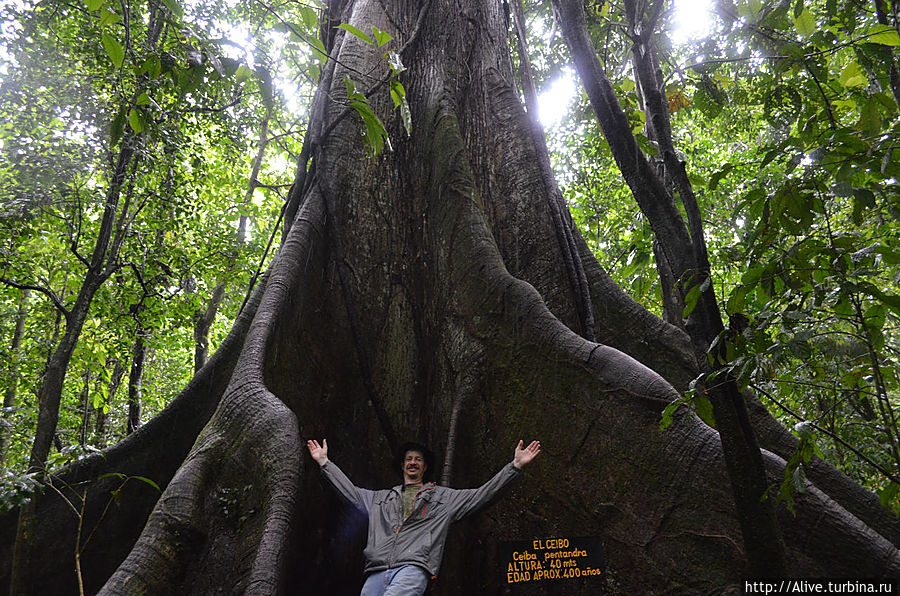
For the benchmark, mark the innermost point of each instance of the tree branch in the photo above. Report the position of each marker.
(45, 291)
(892, 477)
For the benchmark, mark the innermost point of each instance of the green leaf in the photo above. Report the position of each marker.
(381, 37)
(668, 414)
(375, 134)
(851, 379)
(351, 90)
(704, 410)
(888, 494)
(853, 75)
(888, 255)
(118, 475)
(242, 73)
(93, 5)
(870, 117)
(143, 100)
(310, 17)
(693, 296)
(756, 7)
(875, 317)
(152, 66)
(398, 95)
(646, 145)
(883, 34)
(667, 419)
(356, 33)
(706, 103)
(320, 53)
(147, 481)
(751, 276)
(108, 17)
(717, 177)
(890, 300)
(737, 300)
(114, 49)
(750, 9)
(135, 120)
(805, 23)
(121, 476)
(291, 29)
(116, 128)
(398, 92)
(174, 7)
(229, 65)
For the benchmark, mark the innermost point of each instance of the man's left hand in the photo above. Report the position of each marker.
(523, 456)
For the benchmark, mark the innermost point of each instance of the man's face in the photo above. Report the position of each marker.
(413, 467)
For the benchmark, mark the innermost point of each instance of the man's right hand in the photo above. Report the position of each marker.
(318, 452)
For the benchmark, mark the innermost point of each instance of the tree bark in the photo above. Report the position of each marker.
(135, 376)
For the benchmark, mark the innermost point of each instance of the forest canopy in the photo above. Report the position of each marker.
(156, 155)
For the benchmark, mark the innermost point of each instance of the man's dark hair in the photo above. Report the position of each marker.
(426, 454)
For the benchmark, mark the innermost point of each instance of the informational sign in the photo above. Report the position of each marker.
(551, 559)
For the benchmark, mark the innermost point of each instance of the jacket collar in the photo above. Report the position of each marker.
(424, 492)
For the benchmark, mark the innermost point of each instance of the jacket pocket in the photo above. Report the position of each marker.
(416, 548)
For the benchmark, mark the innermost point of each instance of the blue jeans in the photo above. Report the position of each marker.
(408, 580)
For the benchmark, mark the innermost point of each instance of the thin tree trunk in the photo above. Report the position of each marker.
(86, 407)
(9, 396)
(203, 320)
(562, 220)
(138, 357)
(202, 323)
(115, 380)
(50, 392)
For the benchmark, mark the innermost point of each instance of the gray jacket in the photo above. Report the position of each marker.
(419, 540)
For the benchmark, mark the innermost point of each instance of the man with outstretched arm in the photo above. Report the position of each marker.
(408, 524)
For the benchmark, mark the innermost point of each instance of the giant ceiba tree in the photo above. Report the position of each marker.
(437, 291)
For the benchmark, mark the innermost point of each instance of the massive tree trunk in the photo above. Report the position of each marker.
(425, 294)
